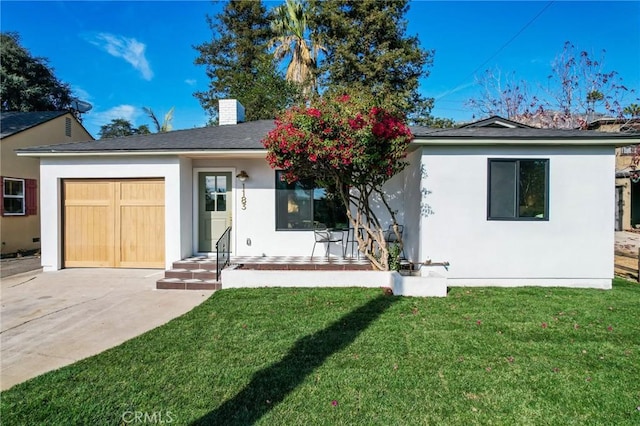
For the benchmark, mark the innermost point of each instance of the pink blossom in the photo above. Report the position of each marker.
(313, 112)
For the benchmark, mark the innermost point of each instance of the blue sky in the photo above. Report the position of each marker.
(124, 55)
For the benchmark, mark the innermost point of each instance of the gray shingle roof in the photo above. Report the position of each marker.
(248, 136)
(14, 122)
(240, 136)
(524, 133)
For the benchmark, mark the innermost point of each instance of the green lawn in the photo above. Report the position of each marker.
(357, 356)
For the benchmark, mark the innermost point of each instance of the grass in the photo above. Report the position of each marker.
(358, 357)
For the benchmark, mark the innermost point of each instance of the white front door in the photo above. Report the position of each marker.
(214, 208)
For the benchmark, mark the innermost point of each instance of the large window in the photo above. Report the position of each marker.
(518, 189)
(13, 196)
(303, 205)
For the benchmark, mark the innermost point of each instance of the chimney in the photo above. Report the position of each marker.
(230, 111)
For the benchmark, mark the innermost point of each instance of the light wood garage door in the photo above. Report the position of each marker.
(114, 223)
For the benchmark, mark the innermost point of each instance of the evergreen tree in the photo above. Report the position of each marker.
(120, 127)
(27, 83)
(367, 49)
(239, 64)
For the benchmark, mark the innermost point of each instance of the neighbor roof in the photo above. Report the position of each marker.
(496, 121)
(248, 137)
(515, 133)
(14, 122)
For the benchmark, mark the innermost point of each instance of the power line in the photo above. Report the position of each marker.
(513, 38)
(497, 52)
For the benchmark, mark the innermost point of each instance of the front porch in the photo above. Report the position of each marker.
(199, 272)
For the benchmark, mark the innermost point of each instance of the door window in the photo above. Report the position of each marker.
(215, 193)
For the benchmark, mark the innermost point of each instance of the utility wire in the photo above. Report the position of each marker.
(497, 52)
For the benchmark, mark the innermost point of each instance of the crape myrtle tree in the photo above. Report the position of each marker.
(578, 90)
(239, 64)
(351, 146)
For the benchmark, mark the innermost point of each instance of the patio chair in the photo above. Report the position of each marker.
(325, 235)
(352, 241)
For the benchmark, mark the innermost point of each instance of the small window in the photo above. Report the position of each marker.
(13, 192)
(303, 205)
(518, 189)
(628, 150)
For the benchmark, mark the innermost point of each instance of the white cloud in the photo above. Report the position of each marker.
(129, 49)
(80, 93)
(128, 112)
(191, 81)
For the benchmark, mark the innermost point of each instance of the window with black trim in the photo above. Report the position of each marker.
(13, 194)
(303, 205)
(518, 189)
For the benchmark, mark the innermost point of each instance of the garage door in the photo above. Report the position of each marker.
(114, 223)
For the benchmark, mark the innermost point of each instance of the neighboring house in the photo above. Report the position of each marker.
(505, 206)
(627, 214)
(20, 213)
(497, 122)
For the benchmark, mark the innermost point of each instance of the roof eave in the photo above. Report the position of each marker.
(471, 141)
(129, 153)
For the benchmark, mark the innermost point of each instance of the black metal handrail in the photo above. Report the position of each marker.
(223, 252)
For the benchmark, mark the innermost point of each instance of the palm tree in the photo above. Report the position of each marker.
(290, 25)
(166, 124)
(632, 110)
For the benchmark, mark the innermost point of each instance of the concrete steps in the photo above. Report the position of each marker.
(198, 273)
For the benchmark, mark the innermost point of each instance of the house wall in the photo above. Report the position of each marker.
(441, 198)
(54, 170)
(19, 232)
(186, 201)
(413, 206)
(254, 229)
(623, 162)
(573, 248)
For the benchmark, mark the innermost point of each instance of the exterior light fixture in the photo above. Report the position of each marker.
(243, 176)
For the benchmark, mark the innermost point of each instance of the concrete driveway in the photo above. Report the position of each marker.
(52, 319)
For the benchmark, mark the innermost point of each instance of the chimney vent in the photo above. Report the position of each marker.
(230, 111)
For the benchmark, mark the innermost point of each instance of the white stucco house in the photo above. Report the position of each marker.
(503, 204)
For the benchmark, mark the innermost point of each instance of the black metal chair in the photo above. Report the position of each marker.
(325, 235)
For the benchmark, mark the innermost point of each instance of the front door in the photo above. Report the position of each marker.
(214, 208)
